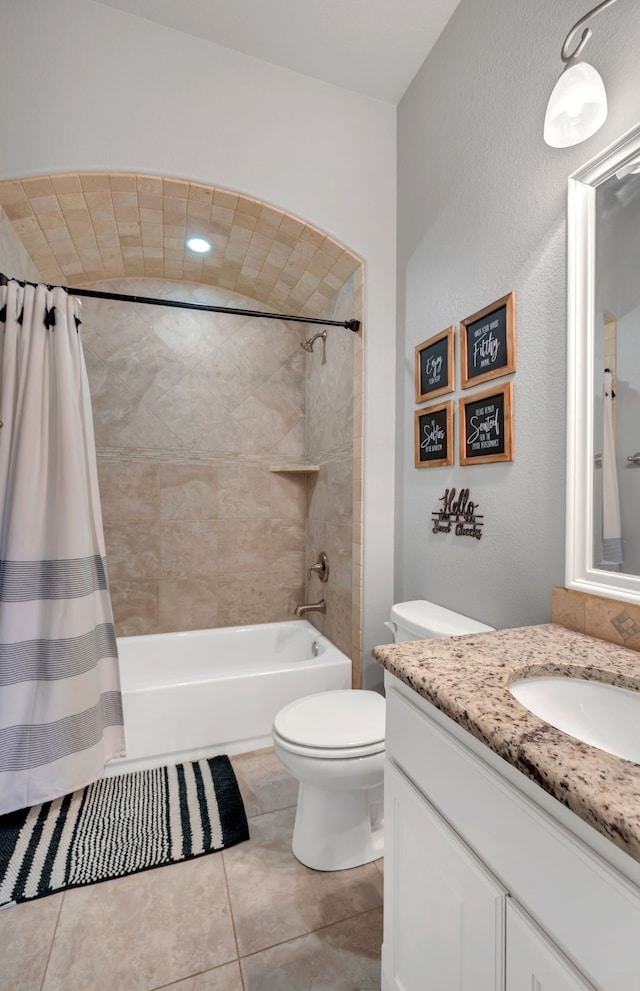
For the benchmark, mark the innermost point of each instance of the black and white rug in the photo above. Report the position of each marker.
(119, 826)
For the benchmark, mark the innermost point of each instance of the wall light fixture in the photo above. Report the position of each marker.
(577, 106)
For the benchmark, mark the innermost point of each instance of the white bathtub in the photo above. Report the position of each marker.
(205, 692)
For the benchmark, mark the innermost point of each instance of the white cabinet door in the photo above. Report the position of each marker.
(534, 963)
(444, 912)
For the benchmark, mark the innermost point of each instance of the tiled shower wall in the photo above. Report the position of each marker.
(334, 494)
(190, 411)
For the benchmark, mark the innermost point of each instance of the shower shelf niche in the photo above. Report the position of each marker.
(300, 469)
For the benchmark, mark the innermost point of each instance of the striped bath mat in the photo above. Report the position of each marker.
(119, 826)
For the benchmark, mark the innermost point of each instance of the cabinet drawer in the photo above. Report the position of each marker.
(592, 912)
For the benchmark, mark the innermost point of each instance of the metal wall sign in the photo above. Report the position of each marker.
(458, 515)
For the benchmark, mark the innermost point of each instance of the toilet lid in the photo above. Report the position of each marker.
(333, 720)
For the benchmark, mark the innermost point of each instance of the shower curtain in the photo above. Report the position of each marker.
(60, 702)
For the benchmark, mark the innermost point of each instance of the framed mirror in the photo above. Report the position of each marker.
(603, 388)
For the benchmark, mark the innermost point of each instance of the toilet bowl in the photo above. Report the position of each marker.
(333, 743)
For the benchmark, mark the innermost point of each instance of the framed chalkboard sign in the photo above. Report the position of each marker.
(488, 342)
(486, 426)
(433, 433)
(435, 366)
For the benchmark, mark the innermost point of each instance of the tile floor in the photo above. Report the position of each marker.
(248, 919)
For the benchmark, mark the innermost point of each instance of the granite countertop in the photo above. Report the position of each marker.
(468, 679)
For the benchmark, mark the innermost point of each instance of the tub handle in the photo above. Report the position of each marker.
(321, 568)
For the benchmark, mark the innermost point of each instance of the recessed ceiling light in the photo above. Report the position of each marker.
(198, 244)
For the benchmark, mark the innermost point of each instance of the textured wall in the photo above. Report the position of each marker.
(482, 211)
(190, 409)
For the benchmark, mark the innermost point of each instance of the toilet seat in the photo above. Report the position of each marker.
(329, 753)
(333, 725)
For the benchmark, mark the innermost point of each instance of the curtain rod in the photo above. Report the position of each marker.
(353, 325)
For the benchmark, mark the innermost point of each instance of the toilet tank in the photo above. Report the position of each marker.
(422, 620)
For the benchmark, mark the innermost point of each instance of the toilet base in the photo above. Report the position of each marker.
(334, 831)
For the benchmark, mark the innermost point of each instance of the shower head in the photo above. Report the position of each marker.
(308, 345)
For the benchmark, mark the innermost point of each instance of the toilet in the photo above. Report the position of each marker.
(421, 620)
(333, 743)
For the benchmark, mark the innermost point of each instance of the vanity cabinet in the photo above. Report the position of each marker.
(533, 961)
(484, 889)
(444, 914)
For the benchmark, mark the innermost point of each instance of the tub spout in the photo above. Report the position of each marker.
(305, 607)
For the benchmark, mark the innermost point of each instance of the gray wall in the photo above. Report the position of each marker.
(482, 211)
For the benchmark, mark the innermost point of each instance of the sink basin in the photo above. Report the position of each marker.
(603, 715)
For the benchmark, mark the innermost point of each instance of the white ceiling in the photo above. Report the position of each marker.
(373, 47)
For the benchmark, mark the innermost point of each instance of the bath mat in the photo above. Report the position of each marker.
(120, 826)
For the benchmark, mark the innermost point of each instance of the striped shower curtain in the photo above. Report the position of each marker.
(60, 702)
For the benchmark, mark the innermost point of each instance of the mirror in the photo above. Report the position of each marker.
(603, 389)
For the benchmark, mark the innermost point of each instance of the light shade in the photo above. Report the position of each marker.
(198, 244)
(577, 106)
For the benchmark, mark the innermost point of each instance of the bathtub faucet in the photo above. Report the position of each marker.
(305, 607)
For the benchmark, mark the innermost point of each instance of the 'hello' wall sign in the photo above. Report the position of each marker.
(458, 516)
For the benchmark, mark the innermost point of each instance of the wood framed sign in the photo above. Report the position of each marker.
(486, 426)
(488, 342)
(433, 434)
(435, 366)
